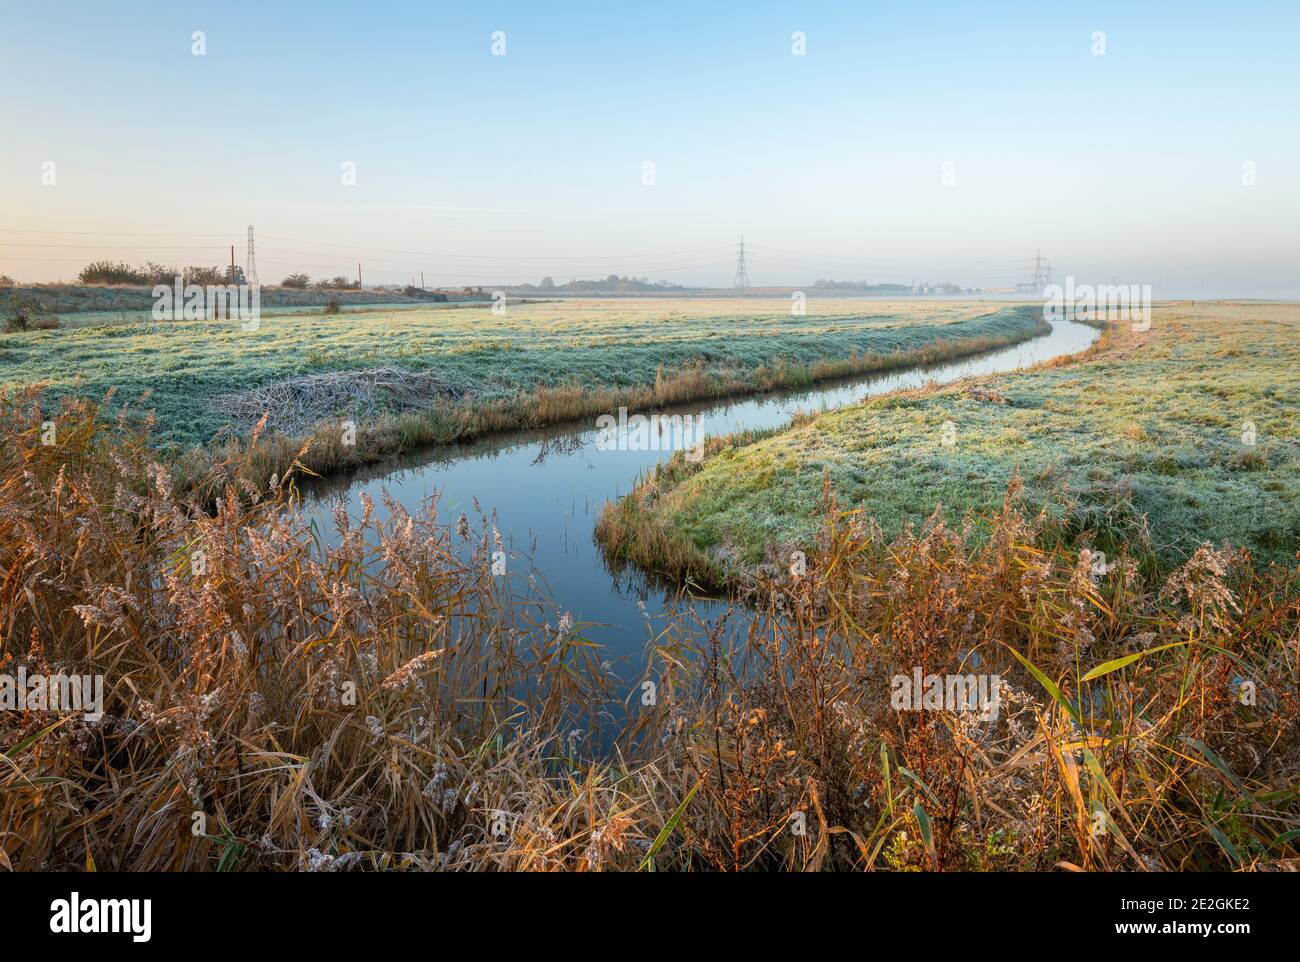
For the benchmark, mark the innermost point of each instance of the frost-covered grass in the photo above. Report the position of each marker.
(1140, 443)
(490, 359)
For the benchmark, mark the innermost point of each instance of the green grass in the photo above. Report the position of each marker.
(1142, 438)
(592, 345)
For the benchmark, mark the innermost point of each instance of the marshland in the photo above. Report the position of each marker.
(354, 685)
(935, 558)
(464, 372)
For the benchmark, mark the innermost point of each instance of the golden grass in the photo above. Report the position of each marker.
(387, 704)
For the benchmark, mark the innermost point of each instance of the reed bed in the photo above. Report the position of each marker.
(381, 701)
(1125, 740)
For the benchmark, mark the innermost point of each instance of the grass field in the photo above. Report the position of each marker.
(1140, 444)
(456, 372)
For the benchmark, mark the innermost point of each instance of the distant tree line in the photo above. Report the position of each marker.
(150, 274)
(110, 272)
(861, 286)
(301, 282)
(947, 287)
(612, 283)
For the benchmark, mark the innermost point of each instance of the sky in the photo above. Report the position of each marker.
(908, 142)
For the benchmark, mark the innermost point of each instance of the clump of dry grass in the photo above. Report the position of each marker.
(298, 405)
(383, 702)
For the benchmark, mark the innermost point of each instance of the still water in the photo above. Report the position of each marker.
(546, 488)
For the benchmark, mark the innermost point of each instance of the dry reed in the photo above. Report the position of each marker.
(273, 701)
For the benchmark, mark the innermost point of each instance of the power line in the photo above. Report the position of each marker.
(250, 269)
(1042, 276)
(107, 233)
(490, 268)
(552, 258)
(396, 269)
(121, 247)
(742, 272)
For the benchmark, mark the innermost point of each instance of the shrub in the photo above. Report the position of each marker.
(338, 283)
(332, 306)
(28, 314)
(159, 273)
(298, 282)
(204, 276)
(109, 272)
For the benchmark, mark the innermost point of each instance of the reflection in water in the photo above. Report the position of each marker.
(545, 488)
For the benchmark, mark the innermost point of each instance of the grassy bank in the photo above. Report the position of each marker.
(272, 702)
(414, 377)
(1138, 445)
(138, 300)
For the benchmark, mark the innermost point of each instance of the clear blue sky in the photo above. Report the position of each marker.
(1127, 165)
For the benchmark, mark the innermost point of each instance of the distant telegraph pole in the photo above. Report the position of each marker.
(358, 274)
(742, 272)
(231, 278)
